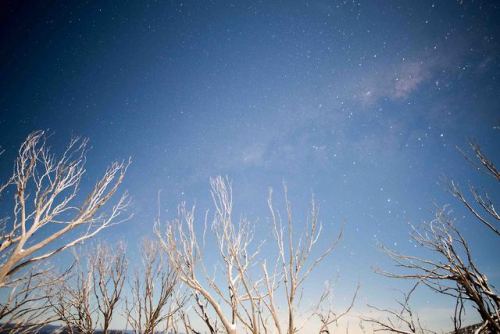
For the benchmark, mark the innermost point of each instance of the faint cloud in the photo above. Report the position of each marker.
(395, 82)
(484, 65)
(408, 79)
(253, 155)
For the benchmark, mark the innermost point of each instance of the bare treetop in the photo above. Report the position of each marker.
(46, 204)
(453, 270)
(242, 295)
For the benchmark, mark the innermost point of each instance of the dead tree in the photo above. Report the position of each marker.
(241, 295)
(46, 188)
(403, 321)
(26, 308)
(295, 261)
(481, 206)
(325, 313)
(90, 300)
(454, 272)
(154, 301)
(45, 219)
(233, 245)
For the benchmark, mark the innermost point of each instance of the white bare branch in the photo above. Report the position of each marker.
(90, 299)
(454, 272)
(240, 296)
(46, 194)
(154, 300)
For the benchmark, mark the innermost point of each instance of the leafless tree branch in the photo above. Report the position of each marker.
(154, 300)
(90, 299)
(46, 189)
(241, 294)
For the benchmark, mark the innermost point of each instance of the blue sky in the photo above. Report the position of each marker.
(362, 103)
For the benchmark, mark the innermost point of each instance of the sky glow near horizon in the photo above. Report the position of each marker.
(361, 103)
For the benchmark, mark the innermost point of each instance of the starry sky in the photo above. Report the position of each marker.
(361, 103)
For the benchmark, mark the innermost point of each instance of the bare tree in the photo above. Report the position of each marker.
(109, 268)
(45, 191)
(26, 307)
(242, 297)
(233, 242)
(454, 272)
(89, 301)
(44, 221)
(402, 321)
(481, 207)
(325, 313)
(154, 301)
(295, 259)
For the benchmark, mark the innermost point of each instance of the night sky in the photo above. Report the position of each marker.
(361, 103)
